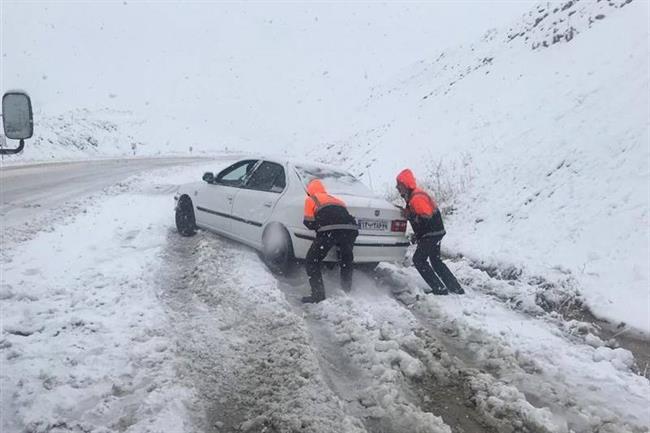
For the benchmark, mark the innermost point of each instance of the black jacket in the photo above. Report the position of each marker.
(332, 217)
(423, 226)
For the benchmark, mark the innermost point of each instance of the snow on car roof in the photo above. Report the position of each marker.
(335, 179)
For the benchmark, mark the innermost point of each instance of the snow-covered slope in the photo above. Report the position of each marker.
(106, 133)
(542, 130)
(83, 133)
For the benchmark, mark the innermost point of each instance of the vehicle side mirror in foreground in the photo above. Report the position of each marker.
(208, 177)
(17, 119)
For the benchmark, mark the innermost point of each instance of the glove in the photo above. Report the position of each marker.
(412, 239)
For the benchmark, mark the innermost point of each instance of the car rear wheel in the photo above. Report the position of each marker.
(277, 249)
(185, 221)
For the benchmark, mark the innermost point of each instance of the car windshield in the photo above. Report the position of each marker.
(336, 182)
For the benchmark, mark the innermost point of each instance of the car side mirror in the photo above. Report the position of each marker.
(17, 118)
(208, 177)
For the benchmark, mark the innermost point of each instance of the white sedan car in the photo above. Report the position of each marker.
(259, 202)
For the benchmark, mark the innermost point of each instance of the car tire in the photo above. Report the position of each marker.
(277, 249)
(185, 221)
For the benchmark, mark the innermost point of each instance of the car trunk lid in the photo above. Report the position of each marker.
(375, 216)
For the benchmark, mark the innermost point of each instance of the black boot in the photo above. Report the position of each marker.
(438, 291)
(446, 276)
(421, 263)
(458, 290)
(311, 299)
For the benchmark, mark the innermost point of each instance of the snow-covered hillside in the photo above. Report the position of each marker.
(83, 133)
(107, 133)
(542, 130)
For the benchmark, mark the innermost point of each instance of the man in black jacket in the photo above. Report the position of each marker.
(426, 221)
(334, 225)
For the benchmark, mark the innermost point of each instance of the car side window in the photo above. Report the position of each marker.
(269, 176)
(236, 174)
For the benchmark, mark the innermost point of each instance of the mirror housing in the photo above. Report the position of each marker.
(208, 177)
(17, 118)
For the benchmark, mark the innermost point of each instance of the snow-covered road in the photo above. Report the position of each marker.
(113, 322)
(29, 192)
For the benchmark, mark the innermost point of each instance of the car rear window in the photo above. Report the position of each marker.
(335, 181)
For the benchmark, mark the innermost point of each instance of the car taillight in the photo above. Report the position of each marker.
(398, 226)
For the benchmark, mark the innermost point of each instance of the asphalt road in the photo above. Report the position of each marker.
(26, 192)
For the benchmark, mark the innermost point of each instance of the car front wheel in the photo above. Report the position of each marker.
(185, 221)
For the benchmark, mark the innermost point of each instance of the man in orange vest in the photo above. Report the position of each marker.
(426, 220)
(334, 225)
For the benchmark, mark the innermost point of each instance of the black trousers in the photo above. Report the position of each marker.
(324, 241)
(437, 274)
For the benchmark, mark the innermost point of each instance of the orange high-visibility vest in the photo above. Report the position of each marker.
(317, 199)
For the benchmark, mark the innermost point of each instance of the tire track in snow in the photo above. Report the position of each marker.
(525, 355)
(341, 375)
(378, 361)
(451, 385)
(246, 351)
(208, 301)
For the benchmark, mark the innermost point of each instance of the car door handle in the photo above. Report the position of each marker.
(268, 204)
(229, 198)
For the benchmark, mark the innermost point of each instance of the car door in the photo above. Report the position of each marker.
(215, 200)
(254, 203)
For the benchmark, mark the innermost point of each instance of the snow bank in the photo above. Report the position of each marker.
(530, 360)
(84, 339)
(548, 122)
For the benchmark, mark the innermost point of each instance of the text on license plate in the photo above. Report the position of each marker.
(378, 225)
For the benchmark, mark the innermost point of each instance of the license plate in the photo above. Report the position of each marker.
(374, 225)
